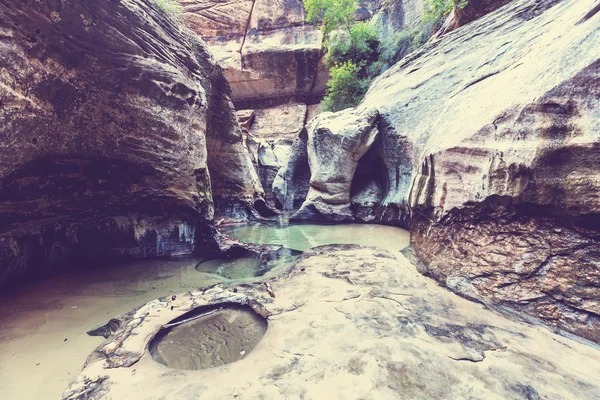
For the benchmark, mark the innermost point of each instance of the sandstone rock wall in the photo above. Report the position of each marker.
(264, 46)
(488, 144)
(110, 117)
(398, 15)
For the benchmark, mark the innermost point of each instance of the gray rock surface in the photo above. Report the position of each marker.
(349, 322)
(110, 114)
(489, 140)
(335, 144)
(269, 138)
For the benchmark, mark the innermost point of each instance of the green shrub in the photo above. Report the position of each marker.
(435, 10)
(345, 88)
(359, 45)
(393, 47)
(333, 14)
(169, 6)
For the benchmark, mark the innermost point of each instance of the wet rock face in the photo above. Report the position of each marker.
(106, 114)
(348, 322)
(488, 143)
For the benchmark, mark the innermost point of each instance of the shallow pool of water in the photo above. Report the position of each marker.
(305, 236)
(43, 340)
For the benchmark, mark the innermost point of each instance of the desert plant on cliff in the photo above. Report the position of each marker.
(358, 45)
(435, 10)
(333, 14)
(169, 6)
(344, 88)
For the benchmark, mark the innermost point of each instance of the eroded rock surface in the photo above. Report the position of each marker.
(335, 144)
(110, 117)
(349, 322)
(270, 135)
(264, 46)
(488, 142)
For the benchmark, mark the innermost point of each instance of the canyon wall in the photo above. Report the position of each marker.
(268, 52)
(273, 60)
(486, 144)
(116, 133)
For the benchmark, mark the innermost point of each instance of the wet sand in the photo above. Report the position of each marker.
(43, 341)
(221, 336)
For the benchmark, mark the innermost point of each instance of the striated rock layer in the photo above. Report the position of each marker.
(111, 115)
(267, 51)
(488, 147)
(346, 322)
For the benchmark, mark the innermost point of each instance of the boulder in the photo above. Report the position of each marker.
(290, 185)
(488, 139)
(335, 144)
(110, 113)
(345, 322)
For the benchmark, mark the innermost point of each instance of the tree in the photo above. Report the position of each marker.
(344, 88)
(333, 14)
(435, 10)
(352, 47)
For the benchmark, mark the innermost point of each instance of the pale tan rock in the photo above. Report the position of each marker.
(265, 49)
(283, 121)
(210, 18)
(489, 144)
(349, 322)
(272, 14)
(312, 111)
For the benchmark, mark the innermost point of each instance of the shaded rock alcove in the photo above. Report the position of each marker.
(118, 137)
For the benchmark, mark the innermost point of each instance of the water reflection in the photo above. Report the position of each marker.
(305, 236)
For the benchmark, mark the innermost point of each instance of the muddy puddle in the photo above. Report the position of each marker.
(214, 337)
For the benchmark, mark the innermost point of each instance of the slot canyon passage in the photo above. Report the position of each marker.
(181, 218)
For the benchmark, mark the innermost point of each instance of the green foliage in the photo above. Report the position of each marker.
(345, 88)
(358, 45)
(359, 51)
(435, 10)
(169, 6)
(331, 13)
(392, 48)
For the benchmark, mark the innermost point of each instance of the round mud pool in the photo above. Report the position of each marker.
(208, 337)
